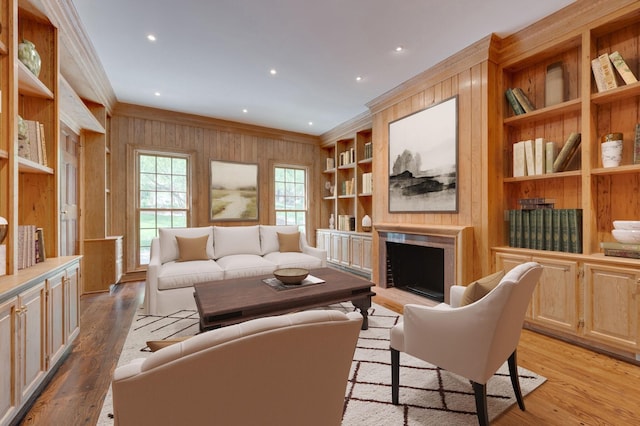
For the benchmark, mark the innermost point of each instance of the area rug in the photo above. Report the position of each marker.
(428, 395)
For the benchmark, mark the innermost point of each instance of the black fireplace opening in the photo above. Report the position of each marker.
(418, 269)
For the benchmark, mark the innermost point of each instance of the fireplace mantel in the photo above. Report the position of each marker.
(457, 239)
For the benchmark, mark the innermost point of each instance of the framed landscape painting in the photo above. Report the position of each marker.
(233, 191)
(423, 160)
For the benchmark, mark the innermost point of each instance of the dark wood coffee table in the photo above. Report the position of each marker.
(236, 300)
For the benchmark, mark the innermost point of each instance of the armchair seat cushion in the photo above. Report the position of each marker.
(245, 265)
(186, 274)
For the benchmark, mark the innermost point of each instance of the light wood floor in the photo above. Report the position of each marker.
(582, 388)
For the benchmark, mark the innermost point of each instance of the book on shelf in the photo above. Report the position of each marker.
(526, 229)
(550, 155)
(548, 229)
(564, 230)
(566, 153)
(536, 203)
(617, 249)
(554, 84)
(598, 75)
(515, 105)
(622, 67)
(607, 71)
(539, 154)
(523, 100)
(43, 146)
(330, 164)
(555, 231)
(519, 167)
(619, 246)
(40, 250)
(529, 157)
(636, 145)
(575, 230)
(630, 254)
(368, 150)
(367, 183)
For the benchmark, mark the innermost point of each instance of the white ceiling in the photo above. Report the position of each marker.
(212, 58)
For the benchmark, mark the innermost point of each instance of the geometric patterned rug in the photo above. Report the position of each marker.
(428, 394)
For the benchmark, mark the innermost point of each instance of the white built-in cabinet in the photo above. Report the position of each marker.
(39, 319)
(349, 250)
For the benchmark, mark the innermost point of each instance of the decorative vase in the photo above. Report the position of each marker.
(29, 56)
(331, 221)
(611, 149)
(366, 223)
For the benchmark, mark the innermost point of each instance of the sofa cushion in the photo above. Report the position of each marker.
(230, 240)
(169, 245)
(192, 248)
(289, 242)
(293, 260)
(478, 289)
(245, 265)
(269, 236)
(186, 274)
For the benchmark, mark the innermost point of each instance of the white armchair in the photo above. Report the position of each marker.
(282, 370)
(472, 341)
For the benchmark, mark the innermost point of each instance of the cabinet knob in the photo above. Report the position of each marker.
(63, 212)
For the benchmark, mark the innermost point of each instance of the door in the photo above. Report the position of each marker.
(69, 223)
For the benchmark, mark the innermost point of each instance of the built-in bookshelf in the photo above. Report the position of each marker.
(348, 181)
(584, 293)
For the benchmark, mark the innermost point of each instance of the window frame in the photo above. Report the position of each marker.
(305, 168)
(137, 153)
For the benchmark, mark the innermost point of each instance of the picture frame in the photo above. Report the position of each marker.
(423, 160)
(233, 191)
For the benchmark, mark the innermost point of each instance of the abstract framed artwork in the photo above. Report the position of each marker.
(423, 160)
(233, 191)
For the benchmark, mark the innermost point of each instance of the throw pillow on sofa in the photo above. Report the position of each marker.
(269, 236)
(289, 242)
(169, 244)
(192, 248)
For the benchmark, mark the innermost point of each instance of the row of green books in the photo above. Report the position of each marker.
(546, 229)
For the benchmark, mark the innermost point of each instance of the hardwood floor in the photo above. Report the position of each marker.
(582, 388)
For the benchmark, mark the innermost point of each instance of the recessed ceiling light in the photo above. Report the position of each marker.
(273, 71)
(399, 49)
(245, 110)
(359, 78)
(157, 93)
(311, 123)
(151, 37)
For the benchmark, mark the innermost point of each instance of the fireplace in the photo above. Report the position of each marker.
(426, 260)
(418, 269)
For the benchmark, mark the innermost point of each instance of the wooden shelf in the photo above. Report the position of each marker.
(30, 85)
(613, 95)
(28, 166)
(630, 168)
(557, 175)
(544, 113)
(74, 112)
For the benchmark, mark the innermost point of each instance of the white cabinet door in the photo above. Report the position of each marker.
(56, 337)
(31, 331)
(8, 360)
(72, 302)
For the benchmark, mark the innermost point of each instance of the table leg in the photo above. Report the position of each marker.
(363, 306)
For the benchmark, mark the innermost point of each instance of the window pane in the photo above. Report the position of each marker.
(164, 200)
(146, 235)
(164, 165)
(147, 164)
(147, 219)
(147, 199)
(145, 255)
(179, 200)
(148, 181)
(279, 172)
(164, 219)
(179, 166)
(179, 219)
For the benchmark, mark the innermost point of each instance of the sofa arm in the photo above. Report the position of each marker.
(312, 251)
(151, 283)
(455, 295)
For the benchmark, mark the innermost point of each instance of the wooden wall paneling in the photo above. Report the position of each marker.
(208, 139)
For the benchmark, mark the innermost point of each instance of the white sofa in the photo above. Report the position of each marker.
(231, 252)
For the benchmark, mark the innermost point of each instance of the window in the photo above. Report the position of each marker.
(291, 196)
(163, 197)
